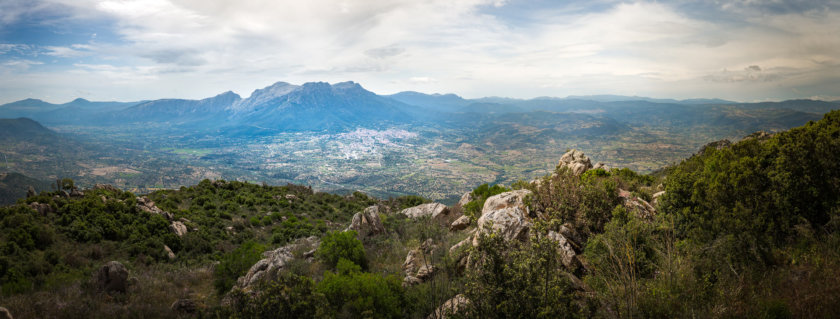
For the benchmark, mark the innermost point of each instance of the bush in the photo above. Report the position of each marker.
(356, 294)
(235, 264)
(338, 245)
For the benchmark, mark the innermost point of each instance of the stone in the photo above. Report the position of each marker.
(600, 165)
(460, 224)
(76, 193)
(178, 228)
(107, 187)
(656, 197)
(169, 252)
(507, 215)
(147, 205)
(417, 267)
(433, 210)
(638, 206)
(274, 261)
(291, 197)
(184, 306)
(575, 161)
(42, 209)
(30, 192)
(450, 307)
(564, 248)
(367, 223)
(111, 277)
(5, 314)
(466, 198)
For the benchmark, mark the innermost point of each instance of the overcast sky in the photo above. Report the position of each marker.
(58, 50)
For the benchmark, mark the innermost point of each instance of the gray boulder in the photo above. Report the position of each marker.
(178, 228)
(466, 198)
(5, 314)
(450, 307)
(417, 266)
(460, 224)
(638, 206)
(276, 260)
(111, 277)
(433, 210)
(506, 214)
(42, 209)
(367, 223)
(564, 248)
(30, 192)
(575, 161)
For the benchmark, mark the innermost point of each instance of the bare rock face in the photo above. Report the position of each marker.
(576, 161)
(450, 307)
(367, 223)
(417, 267)
(639, 206)
(276, 260)
(5, 314)
(564, 247)
(434, 210)
(178, 228)
(507, 215)
(111, 277)
(466, 198)
(460, 224)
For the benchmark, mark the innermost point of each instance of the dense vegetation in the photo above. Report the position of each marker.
(747, 230)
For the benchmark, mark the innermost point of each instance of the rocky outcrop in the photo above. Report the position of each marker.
(111, 277)
(460, 224)
(417, 266)
(506, 214)
(42, 209)
(466, 198)
(718, 145)
(147, 205)
(638, 206)
(178, 228)
(276, 260)
(600, 165)
(656, 197)
(367, 223)
(450, 307)
(184, 306)
(575, 161)
(433, 210)
(5, 314)
(168, 251)
(107, 187)
(565, 250)
(30, 192)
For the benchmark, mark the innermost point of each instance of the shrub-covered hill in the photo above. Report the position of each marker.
(749, 229)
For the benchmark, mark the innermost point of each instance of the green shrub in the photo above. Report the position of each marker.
(235, 264)
(356, 294)
(338, 245)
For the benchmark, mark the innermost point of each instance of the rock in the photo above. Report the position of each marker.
(417, 267)
(564, 248)
(184, 306)
(291, 197)
(569, 232)
(508, 215)
(104, 200)
(460, 224)
(718, 145)
(169, 252)
(656, 197)
(111, 277)
(575, 161)
(76, 193)
(459, 245)
(274, 261)
(178, 228)
(466, 198)
(30, 192)
(450, 307)
(147, 205)
(367, 223)
(42, 209)
(760, 135)
(601, 166)
(435, 210)
(107, 187)
(5, 314)
(639, 206)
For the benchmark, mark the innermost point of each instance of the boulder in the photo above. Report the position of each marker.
(718, 145)
(5, 314)
(460, 224)
(601, 166)
(417, 267)
(76, 193)
(169, 252)
(434, 210)
(178, 228)
(30, 192)
(147, 205)
(466, 198)
(184, 306)
(291, 197)
(111, 277)
(450, 307)
(638, 206)
(506, 214)
(42, 209)
(656, 196)
(564, 248)
(459, 245)
(367, 223)
(274, 261)
(107, 187)
(575, 161)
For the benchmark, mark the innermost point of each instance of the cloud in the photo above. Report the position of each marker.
(385, 52)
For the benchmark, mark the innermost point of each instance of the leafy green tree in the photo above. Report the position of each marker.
(341, 245)
(355, 294)
(235, 264)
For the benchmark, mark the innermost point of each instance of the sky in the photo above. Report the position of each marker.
(128, 50)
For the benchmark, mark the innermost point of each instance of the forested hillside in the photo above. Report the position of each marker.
(745, 229)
